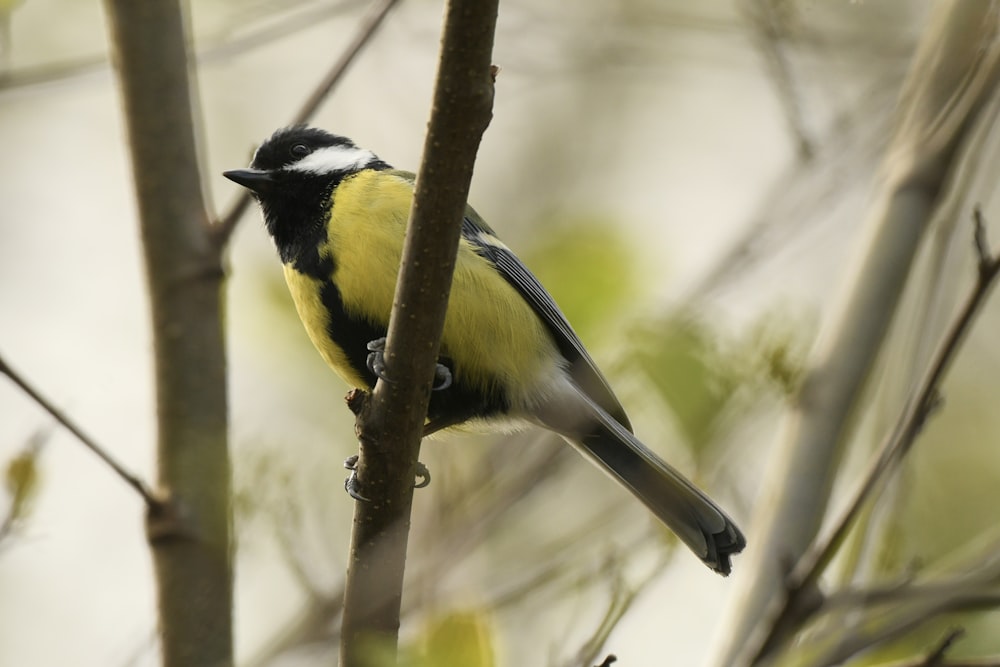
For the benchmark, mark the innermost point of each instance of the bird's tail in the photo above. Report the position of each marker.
(676, 501)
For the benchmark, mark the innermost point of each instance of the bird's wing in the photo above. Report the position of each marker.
(582, 368)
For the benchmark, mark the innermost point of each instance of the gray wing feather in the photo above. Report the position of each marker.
(582, 368)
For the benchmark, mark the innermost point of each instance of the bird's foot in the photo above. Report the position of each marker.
(376, 364)
(353, 486)
(376, 358)
(422, 476)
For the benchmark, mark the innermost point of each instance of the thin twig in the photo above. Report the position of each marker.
(912, 420)
(622, 599)
(805, 576)
(223, 230)
(209, 50)
(936, 656)
(770, 30)
(129, 478)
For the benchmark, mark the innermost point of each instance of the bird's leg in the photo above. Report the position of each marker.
(376, 364)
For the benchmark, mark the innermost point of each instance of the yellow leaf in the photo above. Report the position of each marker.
(458, 639)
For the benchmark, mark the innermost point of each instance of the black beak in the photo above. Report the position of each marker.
(254, 180)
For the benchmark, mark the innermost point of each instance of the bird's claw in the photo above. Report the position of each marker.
(351, 484)
(376, 358)
(376, 364)
(442, 378)
(422, 478)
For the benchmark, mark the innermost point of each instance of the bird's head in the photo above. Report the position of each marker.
(293, 174)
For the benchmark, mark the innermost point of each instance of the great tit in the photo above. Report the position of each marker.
(338, 214)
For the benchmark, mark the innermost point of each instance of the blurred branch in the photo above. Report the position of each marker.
(369, 25)
(622, 598)
(390, 424)
(225, 47)
(802, 195)
(770, 24)
(190, 535)
(953, 74)
(804, 579)
(860, 619)
(487, 501)
(129, 478)
(483, 510)
(926, 399)
(936, 655)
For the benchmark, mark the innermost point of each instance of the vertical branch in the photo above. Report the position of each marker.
(190, 535)
(954, 71)
(390, 424)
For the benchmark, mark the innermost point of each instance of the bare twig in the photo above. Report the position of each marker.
(209, 49)
(622, 599)
(915, 414)
(769, 20)
(223, 230)
(805, 576)
(935, 657)
(129, 478)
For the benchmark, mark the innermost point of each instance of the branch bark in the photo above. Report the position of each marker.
(390, 424)
(954, 71)
(190, 535)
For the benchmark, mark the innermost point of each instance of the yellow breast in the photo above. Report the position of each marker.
(490, 332)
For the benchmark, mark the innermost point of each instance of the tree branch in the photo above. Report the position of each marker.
(390, 424)
(804, 579)
(953, 74)
(191, 535)
(209, 49)
(64, 420)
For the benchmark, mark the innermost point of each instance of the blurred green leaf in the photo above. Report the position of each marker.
(680, 359)
(588, 268)
(457, 639)
(704, 378)
(22, 478)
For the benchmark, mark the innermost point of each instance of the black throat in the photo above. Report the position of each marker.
(296, 215)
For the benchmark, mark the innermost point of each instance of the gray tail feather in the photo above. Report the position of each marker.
(675, 500)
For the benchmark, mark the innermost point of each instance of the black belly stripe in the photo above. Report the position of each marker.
(456, 404)
(350, 334)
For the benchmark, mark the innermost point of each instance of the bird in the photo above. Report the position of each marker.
(337, 214)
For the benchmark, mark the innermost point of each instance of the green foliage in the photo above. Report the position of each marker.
(588, 267)
(456, 639)
(705, 380)
(22, 480)
(680, 359)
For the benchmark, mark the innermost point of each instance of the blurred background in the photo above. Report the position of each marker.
(688, 179)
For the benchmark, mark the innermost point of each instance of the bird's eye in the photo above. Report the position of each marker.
(299, 150)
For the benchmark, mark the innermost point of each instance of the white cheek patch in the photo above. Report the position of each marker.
(333, 159)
